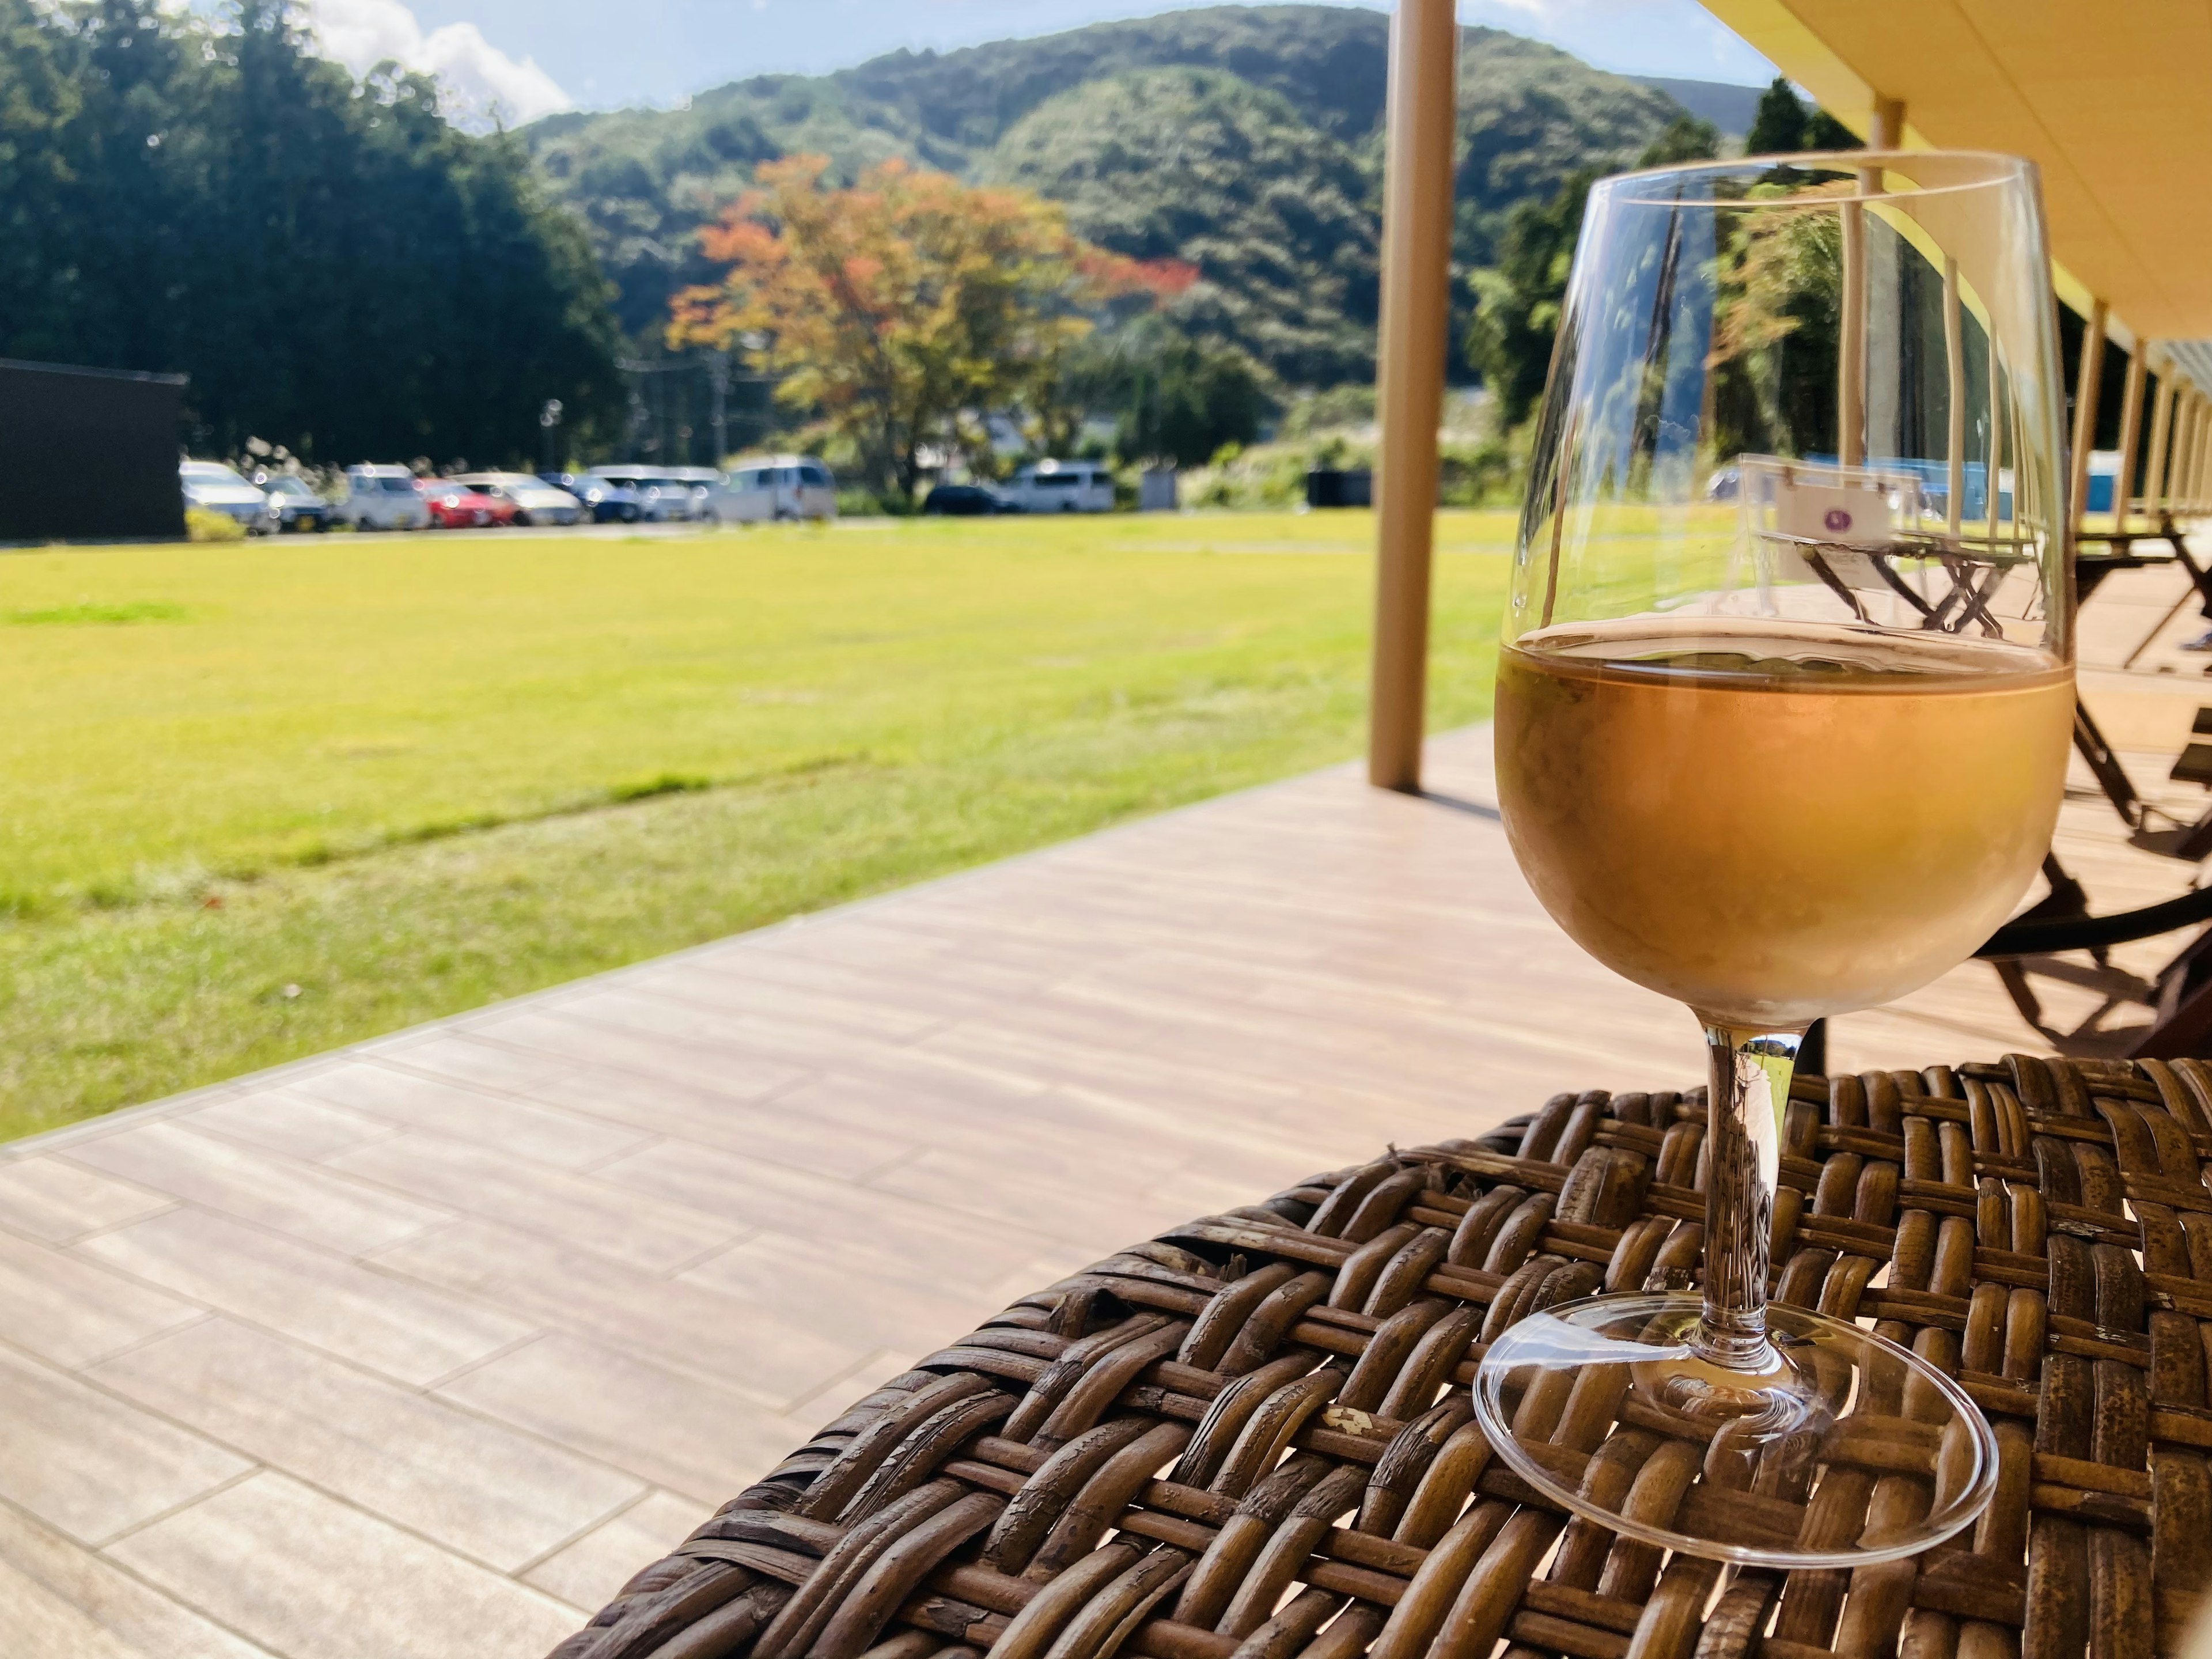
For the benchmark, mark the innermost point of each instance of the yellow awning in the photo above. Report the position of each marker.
(2108, 98)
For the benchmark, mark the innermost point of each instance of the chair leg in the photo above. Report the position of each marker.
(2112, 777)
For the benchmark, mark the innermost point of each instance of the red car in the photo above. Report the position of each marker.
(457, 507)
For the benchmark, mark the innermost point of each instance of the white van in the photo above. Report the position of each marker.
(780, 487)
(1061, 487)
(382, 498)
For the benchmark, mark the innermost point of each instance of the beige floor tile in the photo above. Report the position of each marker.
(60, 1601)
(992, 1192)
(588, 1573)
(266, 1189)
(579, 1209)
(698, 984)
(89, 1464)
(744, 1347)
(673, 1428)
(562, 1035)
(961, 1249)
(406, 1331)
(285, 1120)
(519, 1128)
(313, 1578)
(825, 1405)
(449, 1052)
(71, 1311)
(776, 1128)
(51, 1198)
(502, 1498)
(854, 1296)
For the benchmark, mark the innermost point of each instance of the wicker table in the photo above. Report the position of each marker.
(1251, 1438)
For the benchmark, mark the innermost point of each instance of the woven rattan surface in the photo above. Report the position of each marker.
(1251, 1438)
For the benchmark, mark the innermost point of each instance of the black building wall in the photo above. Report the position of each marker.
(88, 454)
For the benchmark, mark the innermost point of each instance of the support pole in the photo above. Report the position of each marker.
(1955, 366)
(2162, 434)
(2180, 489)
(2131, 401)
(2184, 448)
(1886, 132)
(1991, 481)
(1417, 212)
(2085, 414)
(2201, 458)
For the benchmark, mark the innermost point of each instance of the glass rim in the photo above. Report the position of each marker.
(2001, 170)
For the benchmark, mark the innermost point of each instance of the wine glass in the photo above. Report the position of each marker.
(1784, 700)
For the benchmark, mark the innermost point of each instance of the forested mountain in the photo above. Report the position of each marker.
(1245, 139)
(338, 268)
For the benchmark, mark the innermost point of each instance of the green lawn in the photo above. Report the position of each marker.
(265, 798)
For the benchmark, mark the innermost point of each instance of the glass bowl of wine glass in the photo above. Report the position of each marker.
(1784, 700)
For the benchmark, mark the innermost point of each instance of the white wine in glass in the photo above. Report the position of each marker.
(1785, 701)
(1770, 826)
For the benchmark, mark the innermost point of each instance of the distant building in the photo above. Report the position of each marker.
(88, 454)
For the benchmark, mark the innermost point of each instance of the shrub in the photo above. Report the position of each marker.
(203, 525)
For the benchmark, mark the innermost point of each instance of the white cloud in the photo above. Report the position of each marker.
(481, 82)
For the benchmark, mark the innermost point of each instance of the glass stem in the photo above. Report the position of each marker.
(1745, 1102)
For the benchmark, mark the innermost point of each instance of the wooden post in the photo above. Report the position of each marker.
(2131, 398)
(1417, 216)
(2162, 431)
(2200, 460)
(1850, 341)
(2180, 482)
(1886, 131)
(1996, 429)
(1954, 364)
(2085, 413)
(2184, 441)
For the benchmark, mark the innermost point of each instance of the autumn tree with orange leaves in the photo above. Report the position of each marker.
(903, 306)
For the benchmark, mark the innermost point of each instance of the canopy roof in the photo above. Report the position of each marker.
(2107, 99)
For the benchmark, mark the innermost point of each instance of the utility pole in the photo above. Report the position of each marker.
(549, 421)
(718, 373)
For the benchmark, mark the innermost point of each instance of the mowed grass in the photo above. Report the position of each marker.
(262, 798)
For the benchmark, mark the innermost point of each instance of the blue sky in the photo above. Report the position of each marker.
(528, 56)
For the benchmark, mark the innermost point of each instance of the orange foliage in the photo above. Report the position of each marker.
(898, 305)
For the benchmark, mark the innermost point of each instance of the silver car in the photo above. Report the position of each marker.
(214, 487)
(536, 502)
(382, 498)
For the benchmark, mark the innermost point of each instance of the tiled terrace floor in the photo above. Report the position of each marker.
(420, 1348)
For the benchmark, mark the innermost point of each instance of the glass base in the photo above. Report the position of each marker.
(1836, 1450)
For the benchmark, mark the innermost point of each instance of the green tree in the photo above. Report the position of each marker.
(1782, 124)
(336, 267)
(1202, 167)
(1181, 400)
(1516, 314)
(1777, 127)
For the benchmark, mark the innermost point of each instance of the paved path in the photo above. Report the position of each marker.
(422, 1347)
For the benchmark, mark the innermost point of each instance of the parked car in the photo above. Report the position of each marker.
(713, 498)
(533, 500)
(214, 487)
(298, 506)
(381, 498)
(455, 505)
(964, 500)
(661, 498)
(608, 501)
(1061, 487)
(791, 487)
